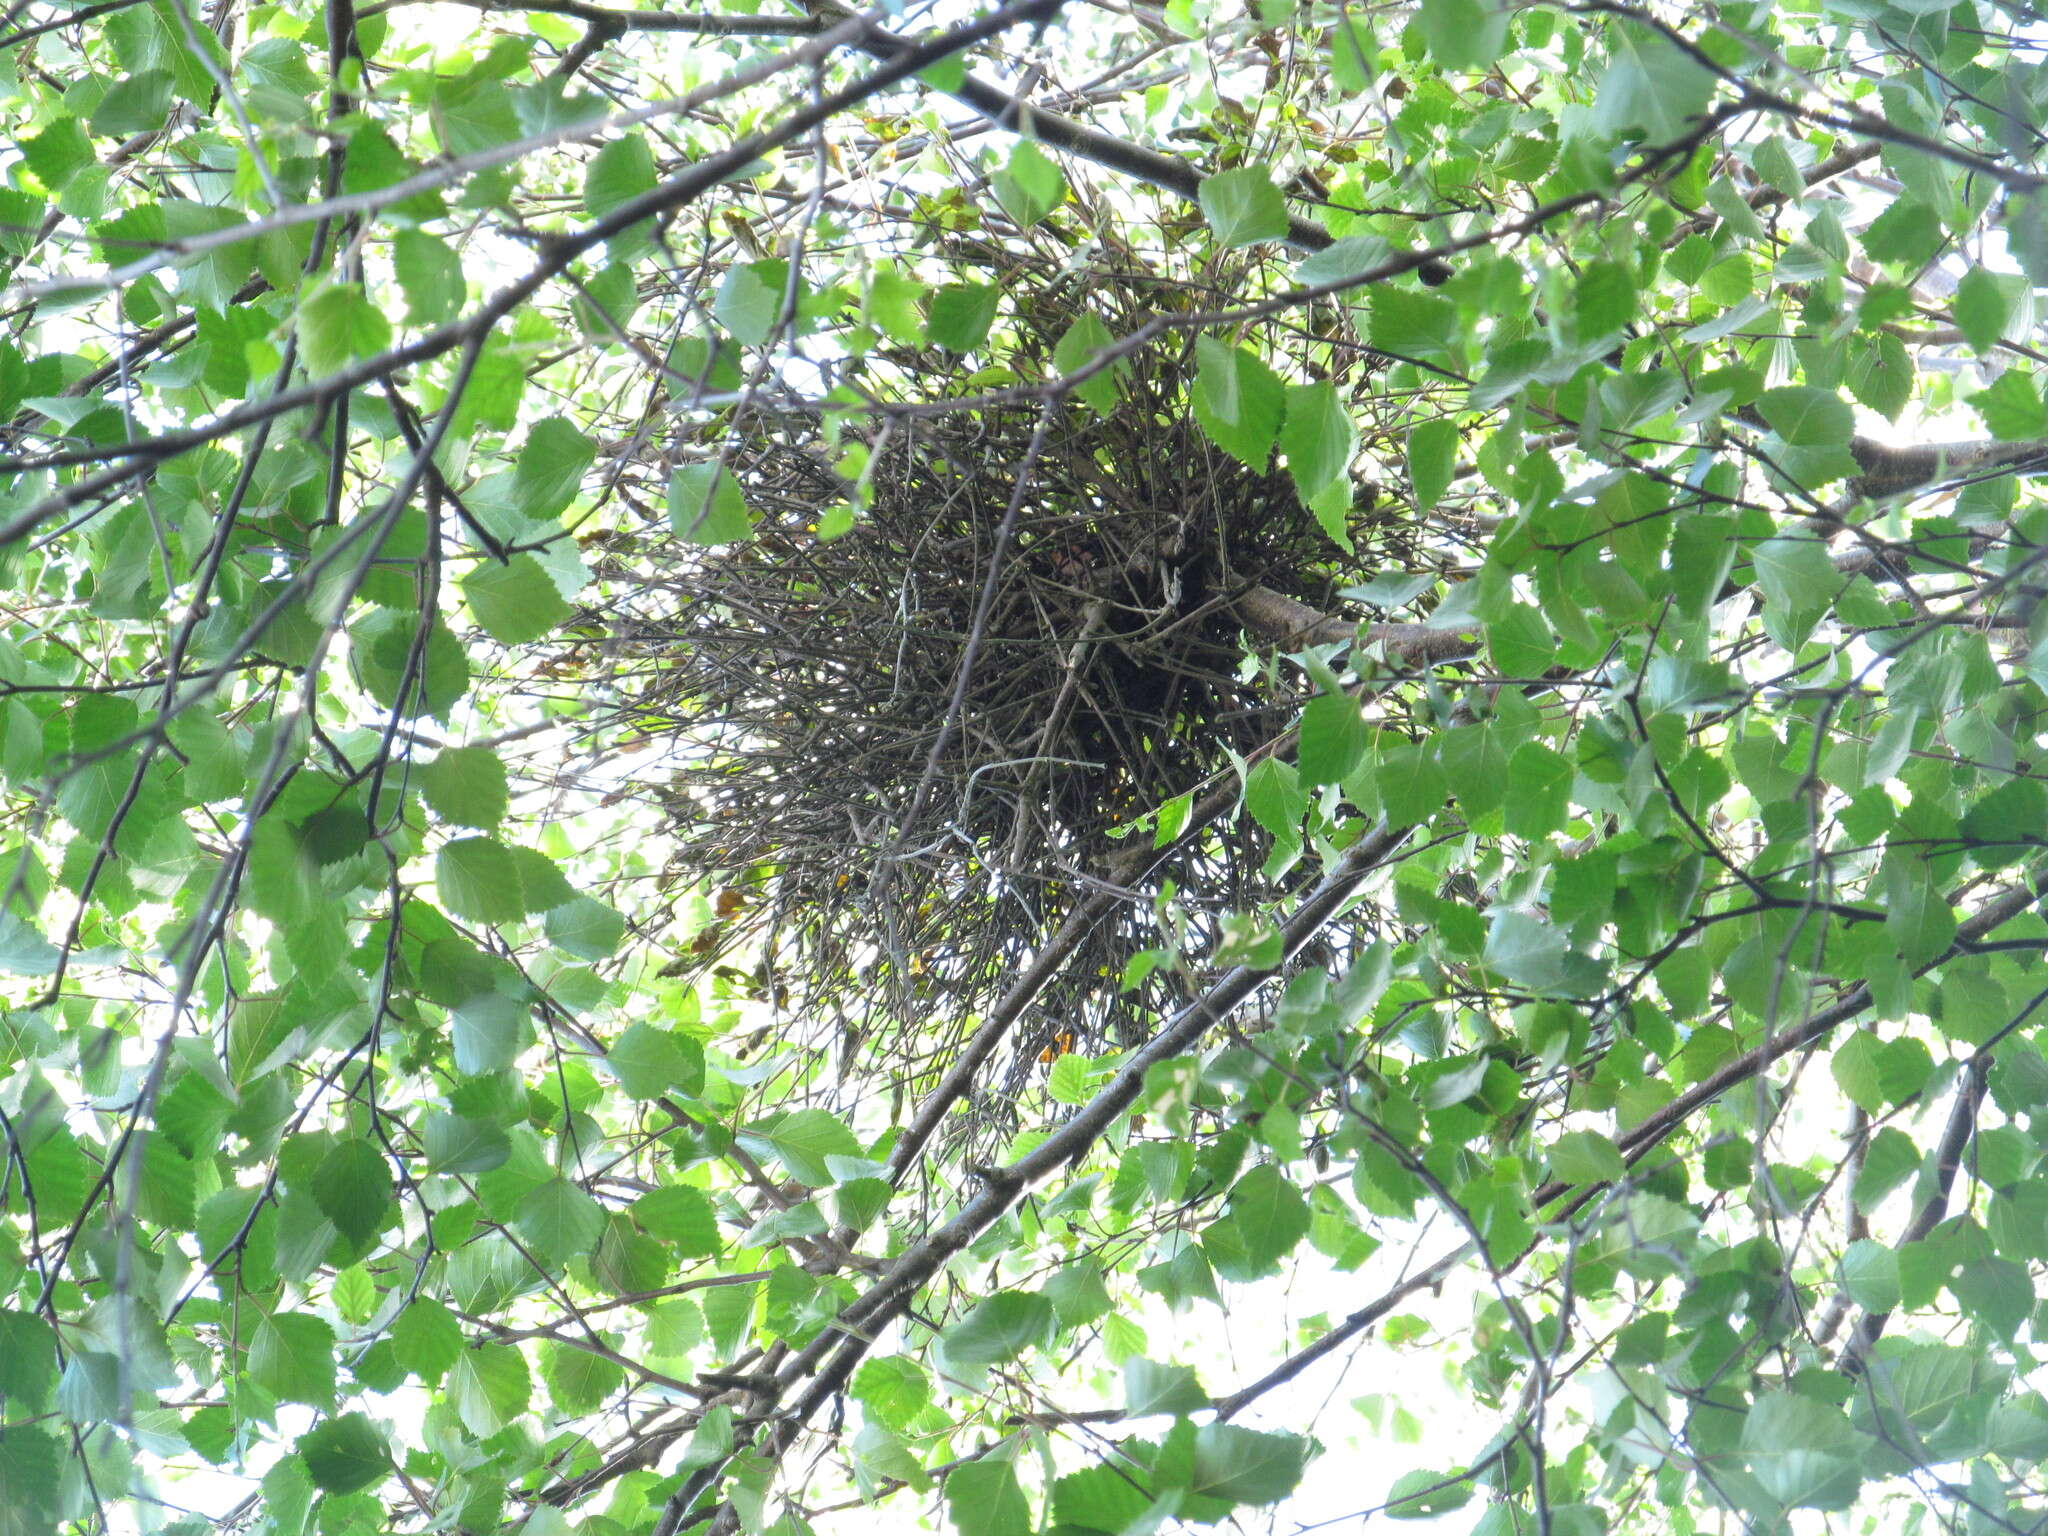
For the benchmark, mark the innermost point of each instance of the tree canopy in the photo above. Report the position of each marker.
(1085, 768)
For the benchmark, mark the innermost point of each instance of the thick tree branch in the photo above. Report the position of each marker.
(1635, 1142)
(1890, 470)
(830, 1358)
(1293, 624)
(1638, 1142)
(695, 23)
(1948, 1158)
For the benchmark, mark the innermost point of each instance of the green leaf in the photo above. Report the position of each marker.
(352, 1186)
(1917, 915)
(1650, 85)
(489, 1387)
(1029, 186)
(1889, 1160)
(2012, 408)
(559, 1220)
(1416, 325)
(578, 1381)
(23, 951)
(1995, 1292)
(382, 654)
(1870, 1274)
(1854, 1066)
(291, 1356)
(705, 506)
(1317, 437)
(607, 300)
(1078, 1295)
(426, 1339)
(457, 1144)
(801, 1140)
(753, 299)
(466, 785)
(1171, 818)
(1067, 1082)
(1586, 1157)
(1151, 1388)
(983, 1498)
(542, 885)
(479, 880)
(1538, 791)
(431, 276)
(1334, 737)
(211, 1432)
(489, 1031)
(1343, 260)
(618, 173)
(338, 324)
(1265, 1219)
(58, 153)
(1274, 797)
(1475, 762)
(1463, 34)
(680, 1215)
(1000, 1328)
(515, 601)
(1351, 54)
(137, 103)
(345, 1455)
(585, 928)
(473, 113)
(1606, 299)
(1981, 308)
(1906, 234)
(1102, 1498)
(1432, 460)
(1422, 1495)
(32, 1467)
(1243, 206)
(647, 1062)
(1803, 1451)
(1532, 953)
(893, 305)
(355, 1295)
(1247, 1466)
(1807, 417)
(959, 316)
(550, 468)
(1799, 583)
(1081, 343)
(893, 1387)
(1411, 784)
(1239, 401)
(28, 1360)
(1881, 375)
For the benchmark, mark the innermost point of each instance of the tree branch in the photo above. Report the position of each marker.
(830, 1358)
(1293, 625)
(697, 24)
(556, 256)
(1890, 470)
(1948, 1158)
(1166, 172)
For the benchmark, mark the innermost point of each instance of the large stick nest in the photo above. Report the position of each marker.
(893, 847)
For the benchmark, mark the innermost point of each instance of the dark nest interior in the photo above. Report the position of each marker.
(890, 856)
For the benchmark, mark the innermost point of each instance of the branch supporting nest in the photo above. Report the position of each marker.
(1294, 625)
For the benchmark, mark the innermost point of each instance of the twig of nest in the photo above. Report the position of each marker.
(805, 685)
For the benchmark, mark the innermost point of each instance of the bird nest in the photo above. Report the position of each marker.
(905, 753)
